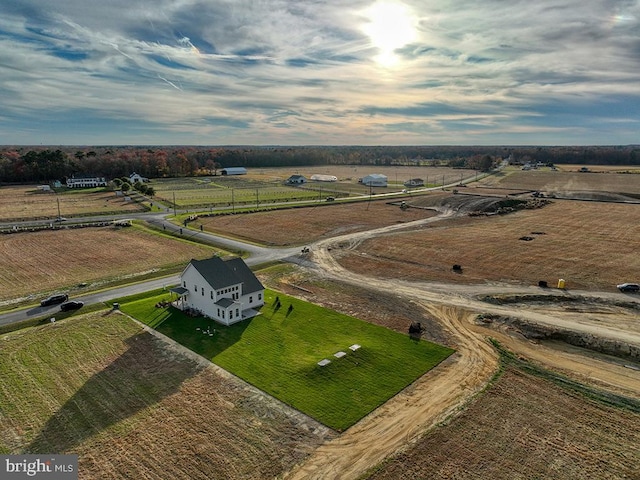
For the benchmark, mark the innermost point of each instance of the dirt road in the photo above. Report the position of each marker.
(439, 393)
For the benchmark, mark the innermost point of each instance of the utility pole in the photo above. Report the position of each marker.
(233, 202)
(174, 204)
(58, 200)
(257, 199)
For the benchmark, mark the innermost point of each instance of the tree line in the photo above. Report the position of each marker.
(23, 164)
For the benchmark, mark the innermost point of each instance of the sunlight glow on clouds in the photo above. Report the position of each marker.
(391, 25)
(319, 72)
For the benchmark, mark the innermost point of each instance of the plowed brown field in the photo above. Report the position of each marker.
(526, 427)
(27, 202)
(132, 406)
(52, 260)
(590, 245)
(298, 226)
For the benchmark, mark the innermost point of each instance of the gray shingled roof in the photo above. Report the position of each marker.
(225, 302)
(250, 282)
(221, 274)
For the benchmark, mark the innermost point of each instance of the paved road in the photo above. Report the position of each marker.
(257, 255)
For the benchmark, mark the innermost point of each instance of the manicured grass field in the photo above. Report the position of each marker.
(279, 350)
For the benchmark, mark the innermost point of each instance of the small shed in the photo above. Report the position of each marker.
(374, 180)
(414, 182)
(234, 171)
(296, 180)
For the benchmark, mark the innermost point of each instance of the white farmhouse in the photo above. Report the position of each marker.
(86, 181)
(225, 291)
(136, 177)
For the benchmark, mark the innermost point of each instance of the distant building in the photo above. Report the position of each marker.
(135, 177)
(323, 178)
(374, 180)
(296, 180)
(234, 171)
(414, 182)
(86, 181)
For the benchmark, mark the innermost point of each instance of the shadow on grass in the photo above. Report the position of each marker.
(199, 334)
(139, 378)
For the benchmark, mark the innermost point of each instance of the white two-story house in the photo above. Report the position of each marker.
(226, 291)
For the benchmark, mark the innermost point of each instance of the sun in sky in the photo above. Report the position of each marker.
(391, 25)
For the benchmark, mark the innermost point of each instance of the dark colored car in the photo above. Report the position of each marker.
(54, 299)
(629, 287)
(71, 305)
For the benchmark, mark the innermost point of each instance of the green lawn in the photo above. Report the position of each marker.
(278, 352)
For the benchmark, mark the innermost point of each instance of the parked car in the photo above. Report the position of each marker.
(54, 299)
(71, 305)
(629, 287)
(330, 199)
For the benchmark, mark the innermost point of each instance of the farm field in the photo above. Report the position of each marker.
(262, 186)
(36, 263)
(131, 406)
(549, 432)
(591, 245)
(566, 182)
(396, 175)
(27, 202)
(279, 350)
(223, 191)
(304, 225)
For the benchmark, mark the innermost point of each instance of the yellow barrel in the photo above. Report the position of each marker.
(561, 283)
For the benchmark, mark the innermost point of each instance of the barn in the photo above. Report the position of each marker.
(234, 171)
(374, 180)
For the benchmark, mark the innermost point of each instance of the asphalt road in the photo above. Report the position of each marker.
(257, 255)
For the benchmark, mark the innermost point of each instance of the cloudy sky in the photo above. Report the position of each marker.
(322, 72)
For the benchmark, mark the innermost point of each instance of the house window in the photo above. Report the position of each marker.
(259, 297)
(250, 299)
(237, 312)
(218, 313)
(203, 292)
(230, 314)
(184, 284)
(195, 287)
(222, 313)
(211, 294)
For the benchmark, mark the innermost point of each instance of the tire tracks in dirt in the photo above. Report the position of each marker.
(440, 392)
(424, 404)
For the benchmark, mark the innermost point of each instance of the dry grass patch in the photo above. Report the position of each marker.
(526, 427)
(351, 173)
(591, 245)
(27, 202)
(56, 260)
(131, 407)
(298, 226)
(567, 182)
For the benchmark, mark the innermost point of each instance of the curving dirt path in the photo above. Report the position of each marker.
(403, 418)
(441, 391)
